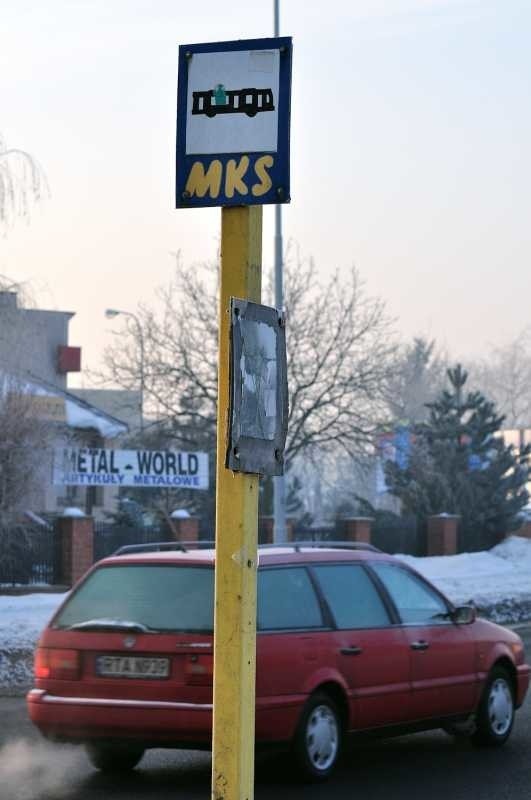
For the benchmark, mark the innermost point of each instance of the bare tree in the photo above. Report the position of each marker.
(341, 351)
(23, 439)
(23, 434)
(22, 183)
(505, 377)
(418, 379)
(180, 357)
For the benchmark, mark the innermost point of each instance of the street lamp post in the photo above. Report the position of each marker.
(110, 313)
(279, 483)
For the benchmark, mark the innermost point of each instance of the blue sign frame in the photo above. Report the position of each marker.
(201, 178)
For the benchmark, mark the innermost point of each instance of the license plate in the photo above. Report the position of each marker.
(132, 667)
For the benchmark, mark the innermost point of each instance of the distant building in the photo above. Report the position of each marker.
(35, 360)
(35, 342)
(121, 403)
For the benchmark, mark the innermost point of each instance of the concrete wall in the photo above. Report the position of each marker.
(29, 339)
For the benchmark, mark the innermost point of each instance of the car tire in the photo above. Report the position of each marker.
(318, 738)
(113, 758)
(495, 714)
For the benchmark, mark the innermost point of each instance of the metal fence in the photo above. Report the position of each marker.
(28, 555)
(109, 537)
(389, 533)
(322, 533)
(394, 534)
(476, 539)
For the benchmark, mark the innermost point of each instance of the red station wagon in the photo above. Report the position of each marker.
(348, 641)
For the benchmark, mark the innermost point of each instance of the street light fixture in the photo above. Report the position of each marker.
(110, 313)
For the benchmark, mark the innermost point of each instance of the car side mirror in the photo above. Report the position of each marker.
(464, 615)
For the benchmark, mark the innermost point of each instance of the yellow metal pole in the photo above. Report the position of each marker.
(236, 537)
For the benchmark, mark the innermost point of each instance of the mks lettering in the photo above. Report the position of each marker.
(238, 178)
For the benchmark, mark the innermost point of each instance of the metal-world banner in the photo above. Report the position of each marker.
(93, 466)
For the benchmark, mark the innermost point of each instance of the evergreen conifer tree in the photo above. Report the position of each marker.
(459, 464)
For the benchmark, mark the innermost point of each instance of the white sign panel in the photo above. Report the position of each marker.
(232, 103)
(91, 466)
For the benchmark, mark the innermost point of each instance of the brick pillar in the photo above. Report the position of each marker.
(185, 529)
(75, 548)
(290, 529)
(357, 529)
(524, 531)
(442, 535)
(266, 526)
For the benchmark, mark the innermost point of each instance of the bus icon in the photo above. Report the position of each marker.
(232, 101)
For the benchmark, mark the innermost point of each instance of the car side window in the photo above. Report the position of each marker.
(287, 600)
(352, 596)
(415, 601)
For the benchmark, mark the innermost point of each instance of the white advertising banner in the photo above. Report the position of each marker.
(92, 466)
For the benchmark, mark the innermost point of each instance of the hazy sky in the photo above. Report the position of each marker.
(411, 132)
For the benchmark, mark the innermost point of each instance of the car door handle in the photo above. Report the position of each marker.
(353, 650)
(422, 645)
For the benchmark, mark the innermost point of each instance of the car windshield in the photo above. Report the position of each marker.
(142, 597)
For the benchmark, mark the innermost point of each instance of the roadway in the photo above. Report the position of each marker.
(430, 765)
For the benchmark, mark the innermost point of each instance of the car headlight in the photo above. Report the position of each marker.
(518, 652)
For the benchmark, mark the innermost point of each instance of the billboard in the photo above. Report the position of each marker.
(92, 466)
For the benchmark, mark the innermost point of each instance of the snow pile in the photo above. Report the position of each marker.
(22, 618)
(497, 581)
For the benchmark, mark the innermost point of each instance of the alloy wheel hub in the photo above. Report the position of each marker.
(500, 707)
(322, 737)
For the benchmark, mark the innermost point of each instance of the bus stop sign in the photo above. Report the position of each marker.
(233, 123)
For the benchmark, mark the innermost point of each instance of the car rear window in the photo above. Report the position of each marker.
(163, 598)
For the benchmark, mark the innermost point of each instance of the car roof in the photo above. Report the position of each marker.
(287, 554)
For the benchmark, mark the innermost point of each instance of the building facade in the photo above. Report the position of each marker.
(39, 415)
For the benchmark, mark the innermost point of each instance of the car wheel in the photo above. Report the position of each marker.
(495, 714)
(317, 741)
(113, 758)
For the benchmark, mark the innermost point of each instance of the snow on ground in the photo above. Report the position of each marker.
(497, 581)
(497, 577)
(22, 618)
